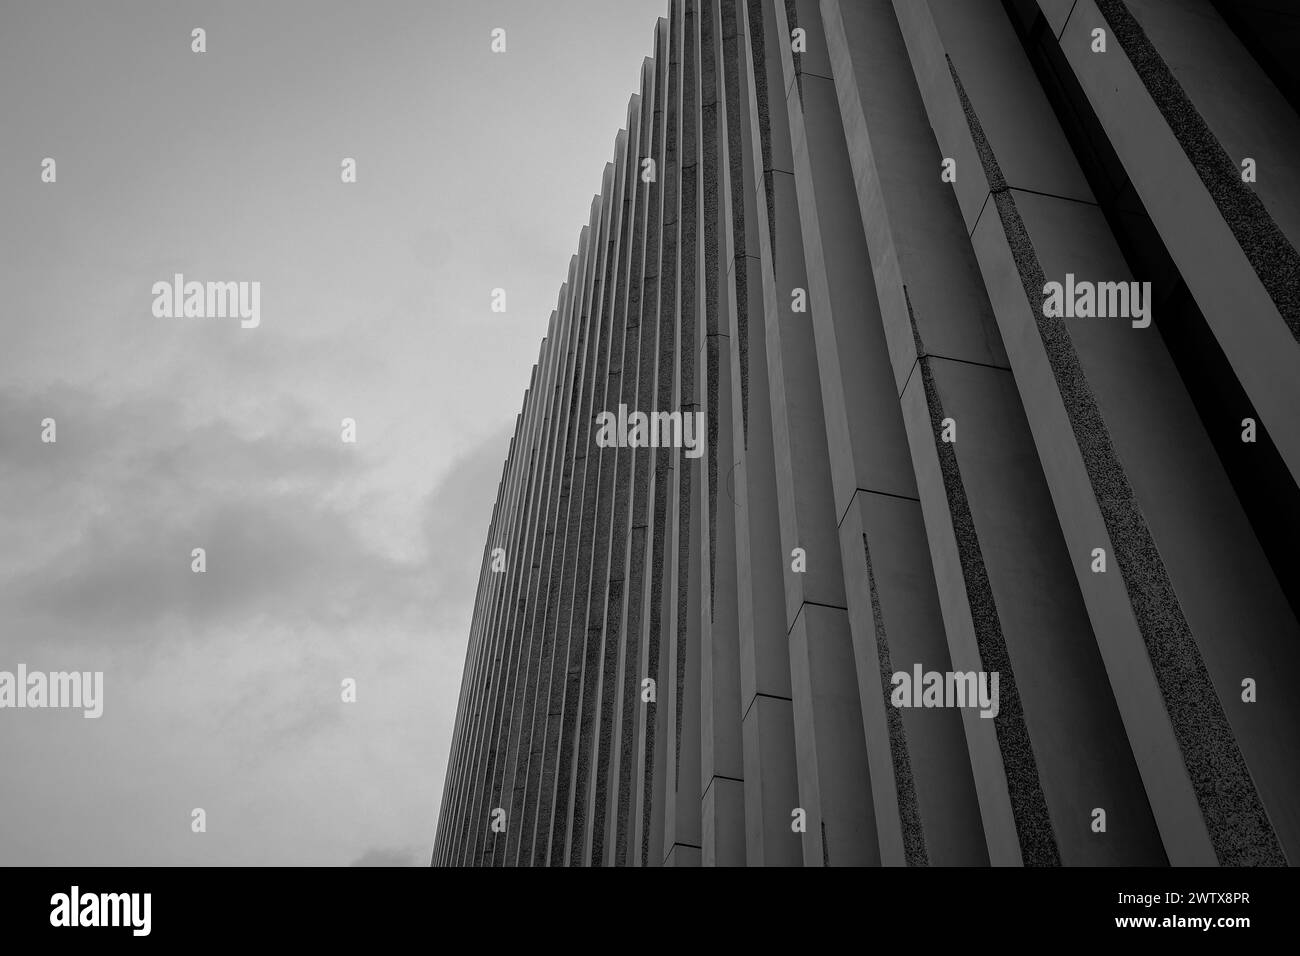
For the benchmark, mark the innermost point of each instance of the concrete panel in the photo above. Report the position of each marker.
(771, 787)
(834, 785)
(924, 794)
(1244, 317)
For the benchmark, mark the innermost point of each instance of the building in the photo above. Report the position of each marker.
(992, 314)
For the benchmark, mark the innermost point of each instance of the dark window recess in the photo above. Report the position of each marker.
(1270, 31)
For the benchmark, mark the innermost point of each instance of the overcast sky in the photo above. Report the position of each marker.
(325, 560)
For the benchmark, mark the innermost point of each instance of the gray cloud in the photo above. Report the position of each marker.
(384, 856)
(459, 510)
(260, 506)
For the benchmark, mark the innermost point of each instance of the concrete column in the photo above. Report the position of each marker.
(540, 785)
(541, 646)
(553, 815)
(681, 827)
(722, 801)
(647, 766)
(623, 389)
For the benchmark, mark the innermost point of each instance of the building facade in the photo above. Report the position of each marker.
(970, 335)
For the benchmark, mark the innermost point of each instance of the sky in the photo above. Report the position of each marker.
(325, 560)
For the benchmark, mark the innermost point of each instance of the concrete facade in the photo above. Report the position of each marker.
(830, 228)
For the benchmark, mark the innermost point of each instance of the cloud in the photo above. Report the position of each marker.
(238, 692)
(113, 510)
(459, 511)
(387, 856)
